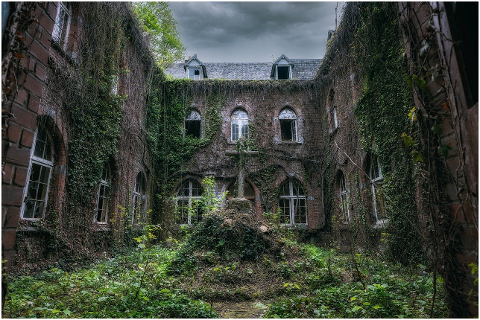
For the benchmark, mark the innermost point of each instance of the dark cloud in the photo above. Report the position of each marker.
(254, 31)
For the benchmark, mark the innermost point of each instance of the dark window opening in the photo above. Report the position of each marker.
(192, 128)
(197, 72)
(283, 73)
(287, 126)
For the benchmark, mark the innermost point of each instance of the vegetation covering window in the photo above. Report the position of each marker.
(62, 24)
(292, 203)
(288, 125)
(139, 203)
(344, 198)
(283, 72)
(378, 198)
(39, 173)
(188, 208)
(239, 122)
(103, 198)
(193, 124)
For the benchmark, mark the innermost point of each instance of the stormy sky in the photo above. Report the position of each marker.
(254, 31)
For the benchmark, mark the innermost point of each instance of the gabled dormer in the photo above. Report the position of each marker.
(282, 68)
(195, 68)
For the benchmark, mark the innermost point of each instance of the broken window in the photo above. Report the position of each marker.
(39, 173)
(292, 203)
(344, 198)
(194, 73)
(288, 125)
(239, 122)
(193, 124)
(283, 72)
(103, 198)
(62, 24)
(188, 206)
(139, 203)
(378, 198)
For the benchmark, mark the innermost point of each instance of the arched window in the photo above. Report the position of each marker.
(188, 208)
(39, 173)
(139, 203)
(193, 124)
(344, 198)
(288, 124)
(103, 198)
(378, 198)
(292, 203)
(239, 122)
(62, 24)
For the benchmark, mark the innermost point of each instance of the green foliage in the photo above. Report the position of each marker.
(157, 20)
(210, 202)
(107, 290)
(381, 113)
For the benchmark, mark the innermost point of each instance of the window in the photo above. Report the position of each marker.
(194, 73)
(283, 72)
(292, 203)
(62, 24)
(193, 124)
(376, 181)
(335, 118)
(188, 209)
(103, 198)
(344, 198)
(114, 90)
(139, 203)
(39, 173)
(288, 125)
(239, 125)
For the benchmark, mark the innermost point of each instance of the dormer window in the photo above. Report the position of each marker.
(195, 68)
(194, 73)
(282, 69)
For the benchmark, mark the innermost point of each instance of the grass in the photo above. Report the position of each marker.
(299, 281)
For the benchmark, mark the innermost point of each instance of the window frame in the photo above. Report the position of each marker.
(105, 184)
(293, 124)
(60, 34)
(344, 196)
(42, 163)
(194, 116)
(241, 123)
(289, 68)
(190, 198)
(376, 181)
(294, 202)
(139, 195)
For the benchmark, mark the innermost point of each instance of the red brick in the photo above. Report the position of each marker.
(40, 52)
(22, 97)
(47, 23)
(24, 117)
(27, 138)
(34, 85)
(40, 72)
(33, 104)
(20, 177)
(8, 238)
(52, 10)
(31, 64)
(46, 39)
(20, 156)
(7, 173)
(8, 257)
(13, 131)
(11, 217)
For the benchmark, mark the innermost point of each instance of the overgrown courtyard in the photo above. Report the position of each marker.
(227, 267)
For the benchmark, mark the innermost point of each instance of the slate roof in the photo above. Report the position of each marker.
(303, 69)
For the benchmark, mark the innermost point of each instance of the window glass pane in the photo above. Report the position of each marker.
(284, 206)
(28, 211)
(196, 189)
(182, 212)
(235, 133)
(300, 212)
(244, 129)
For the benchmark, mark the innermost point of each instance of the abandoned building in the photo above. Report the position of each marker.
(373, 147)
